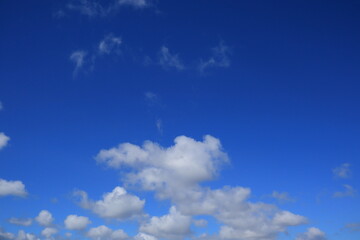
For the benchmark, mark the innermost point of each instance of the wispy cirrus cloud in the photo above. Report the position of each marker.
(348, 192)
(20, 221)
(342, 171)
(92, 8)
(219, 58)
(169, 60)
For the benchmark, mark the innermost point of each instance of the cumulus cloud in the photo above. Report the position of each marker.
(167, 170)
(104, 233)
(109, 44)
(171, 226)
(92, 8)
(22, 235)
(3, 140)
(168, 60)
(176, 173)
(282, 196)
(117, 204)
(219, 58)
(74, 222)
(200, 222)
(6, 235)
(44, 218)
(342, 171)
(21, 221)
(312, 234)
(144, 236)
(348, 192)
(12, 188)
(48, 232)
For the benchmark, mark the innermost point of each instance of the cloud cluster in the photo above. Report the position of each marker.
(117, 204)
(3, 140)
(12, 188)
(176, 173)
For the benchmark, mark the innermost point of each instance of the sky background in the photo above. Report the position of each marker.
(264, 93)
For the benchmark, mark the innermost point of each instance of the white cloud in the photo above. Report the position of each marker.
(109, 44)
(312, 234)
(44, 218)
(5, 235)
(144, 236)
(176, 173)
(26, 236)
(78, 58)
(104, 233)
(74, 222)
(134, 3)
(342, 171)
(14, 188)
(354, 227)
(219, 58)
(21, 221)
(282, 196)
(167, 170)
(348, 192)
(117, 204)
(48, 232)
(168, 60)
(92, 8)
(3, 140)
(171, 226)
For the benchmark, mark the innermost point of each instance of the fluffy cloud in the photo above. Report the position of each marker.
(168, 60)
(74, 222)
(26, 236)
(312, 234)
(44, 218)
(348, 192)
(105, 233)
(342, 171)
(117, 204)
(5, 235)
(167, 170)
(176, 173)
(109, 44)
(171, 226)
(14, 188)
(3, 140)
(21, 221)
(143, 236)
(219, 58)
(48, 232)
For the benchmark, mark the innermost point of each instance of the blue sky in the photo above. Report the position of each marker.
(154, 119)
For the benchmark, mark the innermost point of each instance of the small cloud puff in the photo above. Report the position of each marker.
(3, 140)
(74, 222)
(12, 188)
(342, 171)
